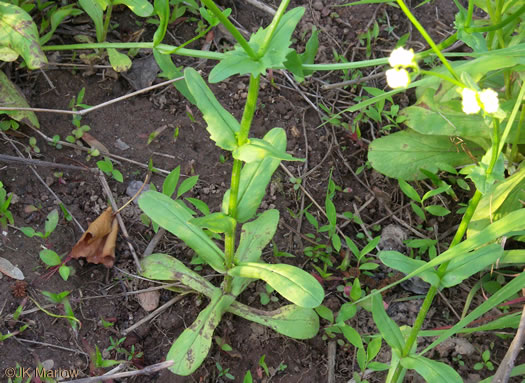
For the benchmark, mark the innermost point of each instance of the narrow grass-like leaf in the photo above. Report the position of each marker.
(174, 217)
(294, 284)
(170, 183)
(406, 265)
(141, 8)
(187, 185)
(386, 326)
(162, 9)
(96, 13)
(257, 150)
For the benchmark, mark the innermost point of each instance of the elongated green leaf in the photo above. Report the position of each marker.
(141, 8)
(237, 61)
(255, 177)
(386, 326)
(174, 217)
(56, 18)
(461, 268)
(501, 295)
(18, 33)
(402, 154)
(51, 222)
(431, 370)
(96, 13)
(291, 320)
(505, 226)
(11, 96)
(187, 185)
(164, 267)
(162, 9)
(170, 183)
(294, 284)
(257, 150)
(49, 257)
(216, 222)
(504, 198)
(406, 265)
(255, 236)
(222, 126)
(192, 346)
(170, 71)
(409, 191)
(120, 62)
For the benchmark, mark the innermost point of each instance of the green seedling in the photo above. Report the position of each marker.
(107, 167)
(6, 217)
(267, 295)
(418, 203)
(224, 372)
(61, 299)
(100, 362)
(363, 263)
(52, 259)
(49, 226)
(263, 365)
(485, 362)
(106, 324)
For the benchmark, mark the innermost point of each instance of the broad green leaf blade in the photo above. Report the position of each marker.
(164, 267)
(19, 33)
(162, 9)
(431, 370)
(310, 51)
(64, 272)
(51, 222)
(49, 257)
(174, 217)
(504, 198)
(120, 62)
(291, 320)
(11, 96)
(187, 185)
(141, 8)
(255, 177)
(351, 335)
(464, 266)
(501, 295)
(222, 126)
(294, 284)
(406, 265)
(255, 236)
(257, 150)
(170, 183)
(237, 61)
(216, 222)
(409, 191)
(96, 13)
(402, 154)
(386, 326)
(192, 346)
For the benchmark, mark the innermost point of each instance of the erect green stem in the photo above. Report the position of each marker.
(469, 13)
(443, 77)
(427, 37)
(462, 229)
(107, 18)
(231, 28)
(242, 138)
(271, 28)
(499, 25)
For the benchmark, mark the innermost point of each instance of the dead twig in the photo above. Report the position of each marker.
(145, 371)
(47, 164)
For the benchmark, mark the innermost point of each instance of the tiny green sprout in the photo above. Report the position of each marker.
(222, 159)
(224, 372)
(32, 143)
(49, 226)
(52, 259)
(222, 344)
(263, 364)
(107, 167)
(105, 323)
(176, 133)
(485, 363)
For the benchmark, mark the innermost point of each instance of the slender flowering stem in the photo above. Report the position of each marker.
(427, 37)
(443, 77)
(272, 27)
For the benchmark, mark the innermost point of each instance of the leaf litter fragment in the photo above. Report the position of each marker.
(97, 244)
(10, 270)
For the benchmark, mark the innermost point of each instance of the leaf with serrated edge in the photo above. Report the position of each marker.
(174, 217)
(293, 283)
(222, 126)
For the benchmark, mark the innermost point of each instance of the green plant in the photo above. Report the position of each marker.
(485, 362)
(419, 209)
(52, 259)
(62, 300)
(49, 226)
(224, 372)
(107, 167)
(5, 215)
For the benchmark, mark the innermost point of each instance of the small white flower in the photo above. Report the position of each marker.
(397, 78)
(489, 100)
(401, 57)
(469, 101)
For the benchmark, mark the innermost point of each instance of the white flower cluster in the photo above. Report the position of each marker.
(399, 60)
(472, 101)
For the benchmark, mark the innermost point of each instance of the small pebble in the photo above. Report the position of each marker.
(318, 5)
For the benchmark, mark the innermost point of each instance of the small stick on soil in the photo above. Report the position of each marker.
(4, 136)
(330, 364)
(104, 104)
(153, 243)
(52, 345)
(47, 164)
(262, 7)
(507, 364)
(145, 371)
(106, 188)
(352, 82)
(153, 314)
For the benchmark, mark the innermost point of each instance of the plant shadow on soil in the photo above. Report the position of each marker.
(98, 293)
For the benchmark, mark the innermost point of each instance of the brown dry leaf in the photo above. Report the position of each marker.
(94, 143)
(97, 244)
